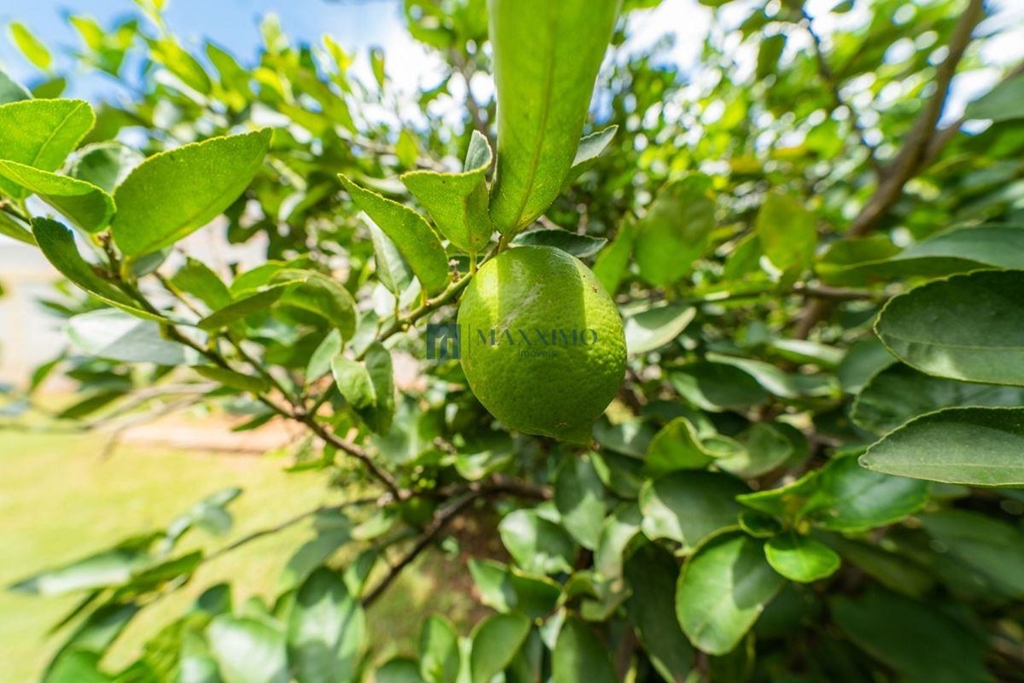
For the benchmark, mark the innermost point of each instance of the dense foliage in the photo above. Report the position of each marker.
(813, 470)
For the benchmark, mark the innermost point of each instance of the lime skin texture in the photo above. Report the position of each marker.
(542, 343)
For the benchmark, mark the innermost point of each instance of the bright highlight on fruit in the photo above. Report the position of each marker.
(542, 342)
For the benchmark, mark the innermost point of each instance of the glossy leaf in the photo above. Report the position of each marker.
(722, 591)
(580, 246)
(33, 49)
(652, 573)
(536, 544)
(578, 655)
(987, 545)
(105, 165)
(800, 558)
(458, 201)
(974, 446)
(921, 643)
(507, 589)
(579, 497)
(248, 650)
(591, 147)
(495, 642)
(368, 386)
(240, 309)
(58, 246)
(41, 134)
(12, 91)
(966, 327)
(317, 293)
(1002, 103)
(417, 242)
(439, 651)
(109, 568)
(677, 446)
(115, 335)
(718, 386)
(392, 270)
(787, 232)
(546, 58)
(84, 204)
(675, 231)
(899, 393)
(688, 506)
(195, 184)
(611, 263)
(326, 630)
(655, 327)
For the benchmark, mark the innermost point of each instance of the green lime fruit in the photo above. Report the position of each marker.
(541, 342)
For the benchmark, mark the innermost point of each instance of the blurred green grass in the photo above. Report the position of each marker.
(60, 500)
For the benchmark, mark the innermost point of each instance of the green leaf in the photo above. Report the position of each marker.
(799, 558)
(439, 651)
(655, 327)
(722, 591)
(230, 378)
(987, 545)
(842, 496)
(240, 309)
(677, 446)
(974, 446)
(458, 201)
(105, 164)
(769, 52)
(850, 498)
(688, 506)
(1005, 102)
(718, 386)
(922, 644)
(537, 545)
(368, 386)
(194, 183)
(591, 147)
(30, 46)
(248, 650)
(506, 589)
(108, 568)
(899, 393)
(675, 231)
(762, 449)
(317, 293)
(947, 253)
(198, 280)
(611, 263)
(651, 573)
(77, 666)
(11, 91)
(58, 246)
(398, 670)
(579, 497)
(578, 656)
(13, 228)
(787, 232)
(320, 362)
(617, 532)
(326, 630)
(894, 571)
(114, 335)
(84, 204)
(392, 270)
(580, 246)
(41, 134)
(544, 94)
(966, 327)
(496, 640)
(417, 242)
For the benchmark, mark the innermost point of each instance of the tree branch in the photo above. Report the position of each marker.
(916, 153)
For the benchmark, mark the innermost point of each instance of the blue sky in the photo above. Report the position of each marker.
(361, 24)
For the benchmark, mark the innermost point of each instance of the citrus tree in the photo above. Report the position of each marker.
(790, 450)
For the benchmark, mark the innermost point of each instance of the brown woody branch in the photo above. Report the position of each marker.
(918, 151)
